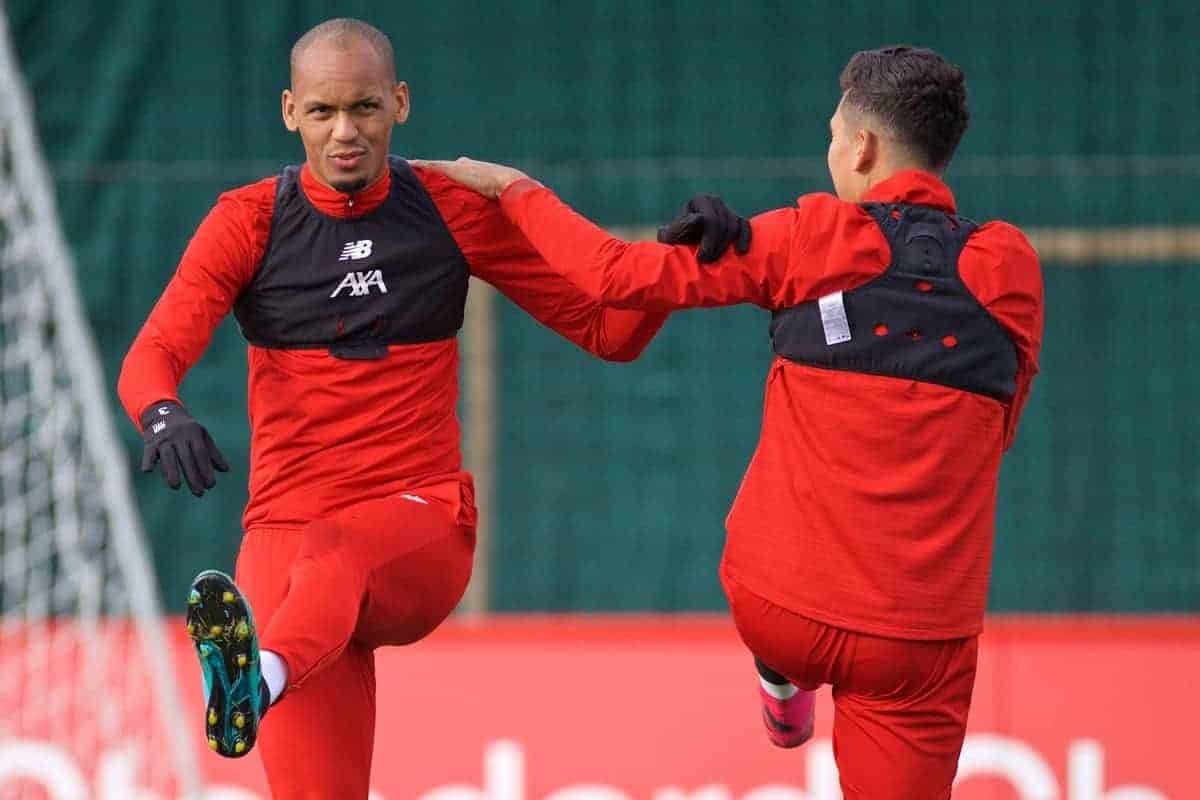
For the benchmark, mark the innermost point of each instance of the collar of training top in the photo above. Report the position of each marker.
(338, 204)
(912, 186)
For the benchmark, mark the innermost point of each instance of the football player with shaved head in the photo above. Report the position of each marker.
(348, 276)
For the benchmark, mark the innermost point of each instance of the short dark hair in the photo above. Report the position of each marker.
(920, 96)
(343, 31)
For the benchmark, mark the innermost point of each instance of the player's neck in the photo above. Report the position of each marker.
(330, 201)
(886, 169)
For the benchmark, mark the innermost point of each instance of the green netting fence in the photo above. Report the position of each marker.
(613, 480)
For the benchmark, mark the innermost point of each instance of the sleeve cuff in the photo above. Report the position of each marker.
(518, 188)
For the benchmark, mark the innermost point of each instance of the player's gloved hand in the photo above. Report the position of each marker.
(707, 220)
(175, 441)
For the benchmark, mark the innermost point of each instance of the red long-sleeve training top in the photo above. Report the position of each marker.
(327, 433)
(869, 503)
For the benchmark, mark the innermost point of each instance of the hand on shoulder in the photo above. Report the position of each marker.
(486, 178)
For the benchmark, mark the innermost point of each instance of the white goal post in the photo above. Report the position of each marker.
(89, 705)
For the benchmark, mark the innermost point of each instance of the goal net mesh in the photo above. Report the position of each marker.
(88, 704)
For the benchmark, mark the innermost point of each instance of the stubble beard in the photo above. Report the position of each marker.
(350, 185)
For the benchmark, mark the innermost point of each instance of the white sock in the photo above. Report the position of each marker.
(779, 692)
(274, 672)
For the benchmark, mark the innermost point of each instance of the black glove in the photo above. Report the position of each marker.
(174, 439)
(707, 220)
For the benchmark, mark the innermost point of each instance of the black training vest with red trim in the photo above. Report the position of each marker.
(917, 320)
(392, 276)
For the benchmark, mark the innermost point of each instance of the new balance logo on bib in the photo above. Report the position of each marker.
(353, 251)
(360, 283)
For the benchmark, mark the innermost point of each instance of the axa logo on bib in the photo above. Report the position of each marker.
(360, 283)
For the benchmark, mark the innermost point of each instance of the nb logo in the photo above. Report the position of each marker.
(360, 283)
(353, 251)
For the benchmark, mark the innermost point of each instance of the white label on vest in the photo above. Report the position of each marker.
(833, 318)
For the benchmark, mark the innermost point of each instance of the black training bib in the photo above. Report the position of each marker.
(355, 286)
(917, 320)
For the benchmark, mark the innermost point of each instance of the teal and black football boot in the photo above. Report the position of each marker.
(235, 695)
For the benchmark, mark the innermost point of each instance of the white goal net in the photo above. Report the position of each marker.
(88, 703)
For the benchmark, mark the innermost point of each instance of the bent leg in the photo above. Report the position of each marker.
(396, 557)
(264, 570)
(409, 596)
(792, 655)
(318, 743)
(390, 570)
(797, 649)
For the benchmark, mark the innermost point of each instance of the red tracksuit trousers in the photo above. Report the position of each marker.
(384, 572)
(900, 706)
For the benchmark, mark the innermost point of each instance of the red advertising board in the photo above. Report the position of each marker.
(665, 708)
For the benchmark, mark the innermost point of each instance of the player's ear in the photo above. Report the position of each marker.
(288, 104)
(402, 103)
(866, 149)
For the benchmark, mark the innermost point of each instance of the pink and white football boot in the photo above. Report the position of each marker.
(789, 722)
(787, 710)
